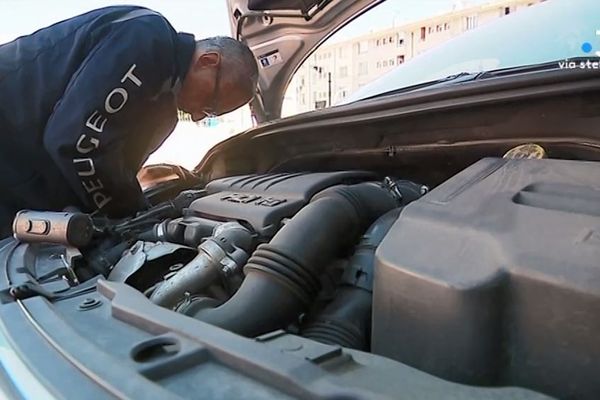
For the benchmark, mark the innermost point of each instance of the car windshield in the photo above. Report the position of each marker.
(553, 31)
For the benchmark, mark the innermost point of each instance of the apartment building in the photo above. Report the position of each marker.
(336, 70)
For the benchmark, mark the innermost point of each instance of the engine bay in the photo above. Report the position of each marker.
(279, 235)
(489, 279)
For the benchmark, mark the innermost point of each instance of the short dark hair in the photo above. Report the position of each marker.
(236, 57)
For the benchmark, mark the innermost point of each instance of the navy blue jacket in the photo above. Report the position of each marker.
(82, 105)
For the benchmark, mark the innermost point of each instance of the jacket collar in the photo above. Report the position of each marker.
(184, 50)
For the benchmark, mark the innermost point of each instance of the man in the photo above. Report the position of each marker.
(85, 101)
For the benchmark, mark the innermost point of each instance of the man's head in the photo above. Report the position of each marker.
(222, 77)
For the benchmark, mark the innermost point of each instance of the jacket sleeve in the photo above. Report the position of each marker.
(89, 129)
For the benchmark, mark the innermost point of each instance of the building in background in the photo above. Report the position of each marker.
(335, 70)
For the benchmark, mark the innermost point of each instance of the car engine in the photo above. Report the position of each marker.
(266, 243)
(491, 278)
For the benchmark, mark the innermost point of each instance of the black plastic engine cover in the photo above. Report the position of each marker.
(493, 278)
(264, 200)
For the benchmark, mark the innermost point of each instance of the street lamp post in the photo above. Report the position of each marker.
(329, 89)
(320, 71)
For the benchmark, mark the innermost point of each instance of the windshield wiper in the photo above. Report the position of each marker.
(451, 79)
(471, 76)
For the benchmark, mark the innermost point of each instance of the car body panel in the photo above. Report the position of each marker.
(283, 39)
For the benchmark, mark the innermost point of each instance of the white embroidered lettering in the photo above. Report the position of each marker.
(90, 144)
(93, 185)
(91, 170)
(107, 103)
(86, 144)
(96, 121)
(129, 75)
(100, 199)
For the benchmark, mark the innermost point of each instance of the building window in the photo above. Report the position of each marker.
(390, 40)
(378, 64)
(400, 42)
(506, 10)
(385, 63)
(378, 42)
(471, 22)
(343, 72)
(363, 47)
(430, 30)
(446, 26)
(438, 28)
(400, 59)
(423, 33)
(363, 68)
(384, 41)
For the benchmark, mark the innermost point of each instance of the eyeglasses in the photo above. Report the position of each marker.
(211, 112)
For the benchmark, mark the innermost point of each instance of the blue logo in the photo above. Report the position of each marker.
(587, 47)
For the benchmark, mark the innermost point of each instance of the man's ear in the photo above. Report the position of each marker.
(210, 59)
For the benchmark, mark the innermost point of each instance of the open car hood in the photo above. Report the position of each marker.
(282, 33)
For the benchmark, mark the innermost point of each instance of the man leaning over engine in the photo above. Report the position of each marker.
(84, 102)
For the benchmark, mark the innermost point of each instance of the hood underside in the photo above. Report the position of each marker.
(282, 34)
(454, 126)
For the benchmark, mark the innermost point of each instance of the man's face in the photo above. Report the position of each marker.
(207, 89)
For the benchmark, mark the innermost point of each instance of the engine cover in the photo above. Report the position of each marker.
(493, 278)
(264, 200)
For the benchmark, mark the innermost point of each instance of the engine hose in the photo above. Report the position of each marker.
(282, 276)
(189, 231)
(228, 246)
(346, 320)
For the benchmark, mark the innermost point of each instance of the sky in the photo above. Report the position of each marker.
(201, 17)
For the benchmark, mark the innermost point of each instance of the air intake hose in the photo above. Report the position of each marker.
(227, 247)
(346, 320)
(282, 277)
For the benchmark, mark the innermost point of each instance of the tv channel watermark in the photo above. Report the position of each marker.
(587, 48)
